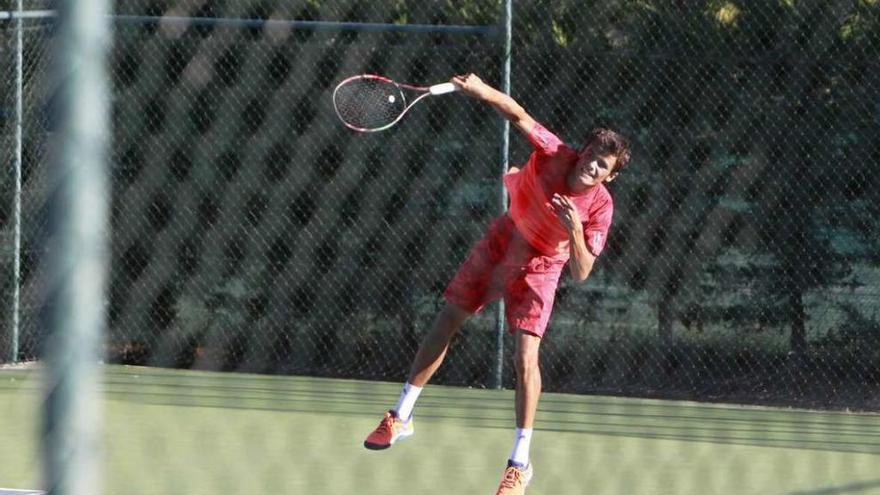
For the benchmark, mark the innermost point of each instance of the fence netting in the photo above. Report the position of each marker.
(251, 231)
(23, 184)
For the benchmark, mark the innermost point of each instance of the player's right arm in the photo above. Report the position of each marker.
(473, 86)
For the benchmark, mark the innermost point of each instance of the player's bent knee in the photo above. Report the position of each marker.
(453, 315)
(449, 320)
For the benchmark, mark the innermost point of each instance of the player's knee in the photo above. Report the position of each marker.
(449, 321)
(526, 363)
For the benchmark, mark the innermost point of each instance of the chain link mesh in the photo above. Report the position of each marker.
(252, 231)
(34, 190)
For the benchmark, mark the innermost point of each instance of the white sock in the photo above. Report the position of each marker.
(520, 453)
(407, 401)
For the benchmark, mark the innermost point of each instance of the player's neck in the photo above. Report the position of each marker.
(582, 189)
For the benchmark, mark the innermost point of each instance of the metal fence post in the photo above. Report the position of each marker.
(78, 251)
(507, 17)
(16, 262)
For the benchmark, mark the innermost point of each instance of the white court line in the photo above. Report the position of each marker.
(15, 491)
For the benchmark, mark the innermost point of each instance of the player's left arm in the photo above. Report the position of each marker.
(581, 260)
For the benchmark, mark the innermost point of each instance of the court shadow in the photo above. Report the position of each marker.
(860, 487)
(616, 417)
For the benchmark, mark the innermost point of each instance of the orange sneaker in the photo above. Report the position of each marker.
(390, 430)
(515, 480)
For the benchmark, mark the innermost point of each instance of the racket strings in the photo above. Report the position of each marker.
(369, 103)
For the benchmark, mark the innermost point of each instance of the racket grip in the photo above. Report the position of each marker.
(443, 88)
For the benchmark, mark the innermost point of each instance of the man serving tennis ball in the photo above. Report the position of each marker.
(559, 214)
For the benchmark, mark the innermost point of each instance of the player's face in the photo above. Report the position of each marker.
(590, 170)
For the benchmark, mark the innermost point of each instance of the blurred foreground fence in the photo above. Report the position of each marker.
(251, 231)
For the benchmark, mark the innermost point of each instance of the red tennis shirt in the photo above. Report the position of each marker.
(532, 186)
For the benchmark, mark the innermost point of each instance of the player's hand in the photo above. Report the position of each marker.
(564, 208)
(470, 84)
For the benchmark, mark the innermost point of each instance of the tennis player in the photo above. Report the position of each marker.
(560, 213)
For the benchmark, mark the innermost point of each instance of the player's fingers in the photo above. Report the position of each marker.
(563, 206)
(464, 83)
(560, 211)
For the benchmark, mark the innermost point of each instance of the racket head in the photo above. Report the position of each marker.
(369, 102)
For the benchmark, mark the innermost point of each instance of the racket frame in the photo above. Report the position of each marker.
(436, 89)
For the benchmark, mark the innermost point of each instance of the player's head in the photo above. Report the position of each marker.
(603, 155)
(602, 141)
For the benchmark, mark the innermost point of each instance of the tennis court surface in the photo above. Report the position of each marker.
(199, 433)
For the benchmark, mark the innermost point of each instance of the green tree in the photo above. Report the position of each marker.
(812, 141)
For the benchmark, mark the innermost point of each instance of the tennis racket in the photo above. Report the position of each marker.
(371, 103)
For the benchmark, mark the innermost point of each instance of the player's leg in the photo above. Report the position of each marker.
(433, 348)
(518, 473)
(397, 423)
(528, 378)
(470, 288)
(528, 302)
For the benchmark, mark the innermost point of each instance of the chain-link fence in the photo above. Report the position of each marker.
(25, 125)
(252, 231)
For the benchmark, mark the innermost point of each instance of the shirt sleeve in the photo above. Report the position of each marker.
(596, 228)
(545, 142)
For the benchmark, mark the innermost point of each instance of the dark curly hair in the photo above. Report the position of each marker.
(607, 142)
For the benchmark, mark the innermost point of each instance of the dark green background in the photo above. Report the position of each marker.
(251, 231)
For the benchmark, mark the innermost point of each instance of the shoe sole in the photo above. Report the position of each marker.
(377, 446)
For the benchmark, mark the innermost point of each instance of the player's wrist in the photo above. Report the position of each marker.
(485, 93)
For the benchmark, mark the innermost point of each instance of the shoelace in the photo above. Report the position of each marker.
(386, 424)
(511, 477)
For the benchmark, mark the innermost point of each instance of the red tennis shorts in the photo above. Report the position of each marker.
(503, 265)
